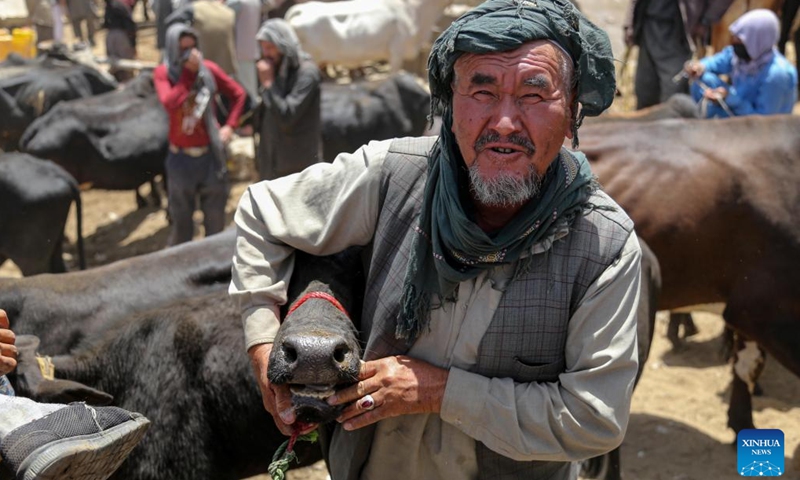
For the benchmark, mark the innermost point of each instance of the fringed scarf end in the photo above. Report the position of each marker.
(415, 314)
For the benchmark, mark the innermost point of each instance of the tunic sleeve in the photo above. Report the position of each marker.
(322, 210)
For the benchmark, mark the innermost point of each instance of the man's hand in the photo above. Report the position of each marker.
(694, 69)
(193, 62)
(225, 134)
(266, 72)
(399, 385)
(277, 398)
(715, 94)
(8, 352)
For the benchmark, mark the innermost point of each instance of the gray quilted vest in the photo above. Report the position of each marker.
(536, 307)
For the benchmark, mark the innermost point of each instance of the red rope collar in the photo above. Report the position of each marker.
(319, 295)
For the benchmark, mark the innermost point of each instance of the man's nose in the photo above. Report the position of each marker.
(507, 116)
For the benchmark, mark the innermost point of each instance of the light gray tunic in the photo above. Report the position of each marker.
(523, 421)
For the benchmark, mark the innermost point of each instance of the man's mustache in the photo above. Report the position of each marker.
(514, 138)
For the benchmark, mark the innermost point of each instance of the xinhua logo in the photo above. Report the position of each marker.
(760, 453)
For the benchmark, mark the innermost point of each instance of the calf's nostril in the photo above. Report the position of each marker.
(340, 353)
(289, 353)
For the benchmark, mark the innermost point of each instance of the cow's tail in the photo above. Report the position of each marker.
(79, 222)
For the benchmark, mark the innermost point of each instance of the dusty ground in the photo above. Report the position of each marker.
(678, 426)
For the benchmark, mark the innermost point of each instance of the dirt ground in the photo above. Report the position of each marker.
(678, 424)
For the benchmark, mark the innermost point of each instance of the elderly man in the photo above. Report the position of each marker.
(48, 440)
(499, 314)
(290, 122)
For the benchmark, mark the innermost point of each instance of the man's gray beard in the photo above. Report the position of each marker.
(505, 189)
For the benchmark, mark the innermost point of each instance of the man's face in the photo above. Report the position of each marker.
(186, 43)
(510, 112)
(270, 52)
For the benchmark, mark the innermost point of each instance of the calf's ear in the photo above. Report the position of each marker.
(30, 381)
(68, 391)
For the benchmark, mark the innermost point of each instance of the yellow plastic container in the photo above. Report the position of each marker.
(5, 43)
(23, 41)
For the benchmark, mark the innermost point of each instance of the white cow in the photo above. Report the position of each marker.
(354, 32)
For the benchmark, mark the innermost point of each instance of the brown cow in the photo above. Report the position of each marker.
(677, 106)
(718, 202)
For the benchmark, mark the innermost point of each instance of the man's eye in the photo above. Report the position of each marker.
(531, 98)
(483, 94)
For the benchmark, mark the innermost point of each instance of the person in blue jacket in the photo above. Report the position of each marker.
(761, 80)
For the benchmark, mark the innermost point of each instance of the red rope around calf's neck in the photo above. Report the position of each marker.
(319, 295)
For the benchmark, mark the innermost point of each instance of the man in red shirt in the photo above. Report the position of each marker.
(186, 84)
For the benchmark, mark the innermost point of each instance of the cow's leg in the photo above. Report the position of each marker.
(676, 320)
(602, 467)
(614, 469)
(57, 259)
(153, 198)
(748, 363)
(155, 193)
(728, 343)
(140, 201)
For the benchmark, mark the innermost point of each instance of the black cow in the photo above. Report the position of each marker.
(185, 368)
(28, 89)
(316, 350)
(354, 114)
(119, 140)
(115, 141)
(35, 198)
(64, 309)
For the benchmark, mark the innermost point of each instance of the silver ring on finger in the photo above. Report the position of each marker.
(366, 402)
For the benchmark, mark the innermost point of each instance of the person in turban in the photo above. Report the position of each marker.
(499, 313)
(290, 114)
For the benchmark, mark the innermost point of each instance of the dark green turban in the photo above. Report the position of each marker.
(503, 25)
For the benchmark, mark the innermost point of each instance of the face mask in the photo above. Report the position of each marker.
(741, 52)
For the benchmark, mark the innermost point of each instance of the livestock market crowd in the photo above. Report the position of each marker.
(400, 238)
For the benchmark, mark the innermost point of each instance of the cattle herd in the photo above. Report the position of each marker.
(715, 203)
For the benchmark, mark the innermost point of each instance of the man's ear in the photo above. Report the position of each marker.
(572, 116)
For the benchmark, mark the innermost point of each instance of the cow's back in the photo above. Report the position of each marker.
(718, 202)
(350, 32)
(64, 309)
